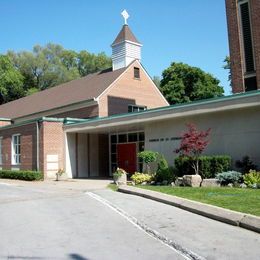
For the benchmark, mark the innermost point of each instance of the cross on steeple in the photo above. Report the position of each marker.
(125, 15)
(125, 48)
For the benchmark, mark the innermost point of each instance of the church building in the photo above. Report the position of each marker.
(32, 128)
(92, 125)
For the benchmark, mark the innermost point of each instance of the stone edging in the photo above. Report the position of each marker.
(234, 218)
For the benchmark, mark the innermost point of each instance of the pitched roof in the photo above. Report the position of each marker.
(125, 35)
(85, 88)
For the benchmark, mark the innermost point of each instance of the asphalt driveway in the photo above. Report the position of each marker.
(62, 220)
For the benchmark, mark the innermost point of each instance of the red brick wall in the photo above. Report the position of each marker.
(85, 112)
(51, 143)
(235, 42)
(28, 146)
(235, 47)
(141, 92)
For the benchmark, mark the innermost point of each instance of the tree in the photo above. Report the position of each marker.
(51, 65)
(227, 66)
(193, 143)
(182, 83)
(44, 67)
(90, 63)
(11, 81)
(148, 157)
(157, 81)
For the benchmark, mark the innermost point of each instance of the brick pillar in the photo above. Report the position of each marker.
(52, 144)
(235, 46)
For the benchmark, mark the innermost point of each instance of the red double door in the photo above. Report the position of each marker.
(126, 157)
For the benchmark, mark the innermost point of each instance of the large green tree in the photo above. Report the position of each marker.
(183, 83)
(11, 81)
(51, 65)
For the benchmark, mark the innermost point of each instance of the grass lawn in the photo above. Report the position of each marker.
(112, 186)
(243, 200)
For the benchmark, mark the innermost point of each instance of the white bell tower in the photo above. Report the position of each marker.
(125, 48)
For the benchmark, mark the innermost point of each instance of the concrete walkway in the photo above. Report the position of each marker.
(69, 184)
(231, 217)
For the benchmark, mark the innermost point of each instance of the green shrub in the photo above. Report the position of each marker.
(22, 175)
(246, 164)
(252, 179)
(164, 172)
(139, 178)
(229, 177)
(209, 165)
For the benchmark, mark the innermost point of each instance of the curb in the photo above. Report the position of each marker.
(227, 216)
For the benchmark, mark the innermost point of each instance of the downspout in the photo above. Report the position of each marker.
(37, 146)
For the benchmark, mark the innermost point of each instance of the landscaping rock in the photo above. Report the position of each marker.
(210, 183)
(179, 181)
(192, 180)
(144, 183)
(230, 185)
(243, 185)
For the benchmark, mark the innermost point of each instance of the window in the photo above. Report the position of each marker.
(135, 108)
(136, 73)
(16, 149)
(1, 152)
(247, 36)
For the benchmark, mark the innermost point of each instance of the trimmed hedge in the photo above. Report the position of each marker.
(209, 166)
(21, 175)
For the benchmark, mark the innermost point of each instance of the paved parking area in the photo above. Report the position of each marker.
(84, 220)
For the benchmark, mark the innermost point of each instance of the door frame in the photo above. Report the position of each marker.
(136, 142)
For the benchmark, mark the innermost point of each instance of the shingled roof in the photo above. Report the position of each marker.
(85, 88)
(125, 35)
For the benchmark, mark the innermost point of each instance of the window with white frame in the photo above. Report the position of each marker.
(16, 149)
(136, 108)
(1, 152)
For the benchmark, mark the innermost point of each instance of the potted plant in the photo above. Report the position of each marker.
(59, 174)
(119, 176)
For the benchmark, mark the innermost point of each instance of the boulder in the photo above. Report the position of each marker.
(210, 183)
(179, 181)
(242, 185)
(192, 180)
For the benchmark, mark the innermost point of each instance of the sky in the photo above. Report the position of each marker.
(189, 31)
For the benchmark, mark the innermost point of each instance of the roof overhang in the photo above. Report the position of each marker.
(138, 120)
(58, 110)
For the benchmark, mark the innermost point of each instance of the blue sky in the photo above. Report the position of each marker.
(191, 31)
